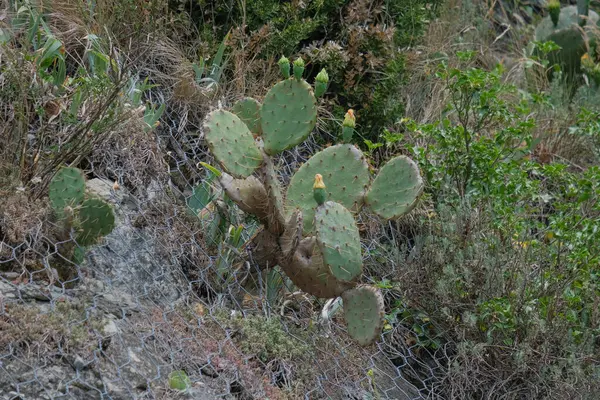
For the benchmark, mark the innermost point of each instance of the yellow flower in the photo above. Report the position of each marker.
(586, 61)
(350, 119)
(319, 184)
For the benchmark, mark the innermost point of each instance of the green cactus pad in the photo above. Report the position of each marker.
(288, 115)
(231, 143)
(363, 312)
(396, 188)
(67, 188)
(345, 174)
(339, 241)
(96, 219)
(248, 110)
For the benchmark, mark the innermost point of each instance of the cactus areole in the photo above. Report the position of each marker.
(309, 228)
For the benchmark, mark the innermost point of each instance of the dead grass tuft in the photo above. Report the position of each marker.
(66, 329)
(20, 218)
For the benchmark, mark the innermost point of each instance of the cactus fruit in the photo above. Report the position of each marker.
(232, 144)
(348, 126)
(363, 312)
(298, 68)
(96, 219)
(288, 115)
(321, 82)
(571, 32)
(284, 66)
(554, 11)
(319, 193)
(317, 244)
(66, 189)
(248, 110)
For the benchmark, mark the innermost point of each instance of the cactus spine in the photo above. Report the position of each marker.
(311, 232)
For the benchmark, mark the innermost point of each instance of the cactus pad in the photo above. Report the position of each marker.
(96, 219)
(307, 270)
(288, 115)
(363, 312)
(396, 188)
(231, 143)
(67, 188)
(339, 241)
(345, 173)
(249, 194)
(248, 110)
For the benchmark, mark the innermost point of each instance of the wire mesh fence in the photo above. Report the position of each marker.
(173, 288)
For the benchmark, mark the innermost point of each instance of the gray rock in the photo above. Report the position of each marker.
(129, 263)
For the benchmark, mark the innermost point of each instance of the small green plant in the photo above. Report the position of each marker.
(465, 158)
(269, 339)
(313, 235)
(179, 380)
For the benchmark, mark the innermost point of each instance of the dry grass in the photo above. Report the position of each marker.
(64, 330)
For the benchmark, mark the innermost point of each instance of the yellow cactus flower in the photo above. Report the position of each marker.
(350, 119)
(319, 184)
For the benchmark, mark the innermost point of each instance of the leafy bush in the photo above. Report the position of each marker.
(510, 256)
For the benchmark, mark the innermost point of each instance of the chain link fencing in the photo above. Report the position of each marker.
(173, 289)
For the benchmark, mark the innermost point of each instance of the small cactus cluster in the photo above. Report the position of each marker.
(310, 230)
(572, 28)
(92, 218)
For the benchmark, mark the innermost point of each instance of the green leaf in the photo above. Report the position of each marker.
(199, 69)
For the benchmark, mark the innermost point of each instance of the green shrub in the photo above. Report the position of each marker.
(510, 256)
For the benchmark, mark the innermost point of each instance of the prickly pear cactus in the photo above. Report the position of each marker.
(338, 240)
(96, 219)
(248, 110)
(92, 218)
(575, 25)
(288, 115)
(392, 201)
(66, 189)
(346, 173)
(231, 142)
(363, 312)
(311, 232)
